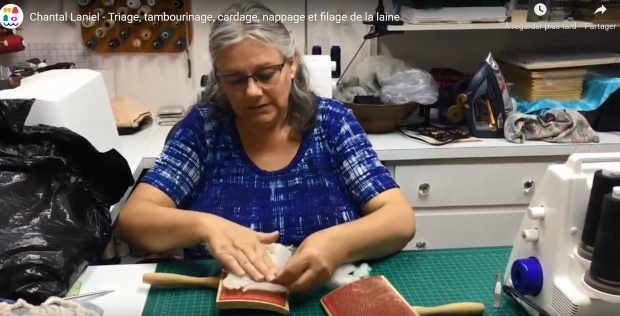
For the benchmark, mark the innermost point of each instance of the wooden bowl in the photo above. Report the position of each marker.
(381, 118)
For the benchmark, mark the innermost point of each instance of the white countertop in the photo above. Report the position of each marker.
(129, 293)
(394, 147)
(142, 148)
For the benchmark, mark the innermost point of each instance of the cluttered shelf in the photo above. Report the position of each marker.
(394, 146)
(543, 25)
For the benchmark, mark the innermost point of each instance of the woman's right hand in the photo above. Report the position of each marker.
(239, 249)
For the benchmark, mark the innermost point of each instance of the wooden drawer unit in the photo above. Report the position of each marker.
(470, 182)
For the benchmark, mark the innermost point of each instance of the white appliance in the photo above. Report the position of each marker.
(551, 232)
(76, 99)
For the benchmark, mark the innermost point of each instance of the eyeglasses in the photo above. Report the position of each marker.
(265, 77)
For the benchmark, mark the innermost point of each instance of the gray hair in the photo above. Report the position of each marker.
(302, 107)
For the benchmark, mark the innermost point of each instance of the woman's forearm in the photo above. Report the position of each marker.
(384, 231)
(156, 228)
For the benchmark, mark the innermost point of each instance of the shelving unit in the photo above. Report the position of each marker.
(475, 193)
(565, 25)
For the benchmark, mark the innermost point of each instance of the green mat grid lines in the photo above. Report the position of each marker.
(423, 277)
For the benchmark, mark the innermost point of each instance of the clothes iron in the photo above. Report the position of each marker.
(486, 101)
(565, 261)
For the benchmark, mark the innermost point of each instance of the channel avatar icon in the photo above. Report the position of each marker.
(11, 16)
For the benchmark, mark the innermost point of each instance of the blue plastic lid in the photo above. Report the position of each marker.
(527, 276)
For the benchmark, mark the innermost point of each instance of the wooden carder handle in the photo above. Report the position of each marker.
(158, 278)
(463, 308)
(171, 279)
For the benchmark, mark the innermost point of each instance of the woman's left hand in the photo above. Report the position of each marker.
(313, 262)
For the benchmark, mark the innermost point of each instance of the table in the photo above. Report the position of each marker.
(423, 277)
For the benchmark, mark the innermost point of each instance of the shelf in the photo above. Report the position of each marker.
(395, 147)
(566, 25)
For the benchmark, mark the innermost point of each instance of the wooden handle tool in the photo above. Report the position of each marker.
(462, 308)
(171, 279)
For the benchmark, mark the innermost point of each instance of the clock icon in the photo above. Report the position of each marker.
(540, 9)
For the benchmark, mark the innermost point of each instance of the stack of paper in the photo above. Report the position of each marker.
(558, 83)
(555, 75)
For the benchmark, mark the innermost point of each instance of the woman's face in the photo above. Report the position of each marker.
(260, 100)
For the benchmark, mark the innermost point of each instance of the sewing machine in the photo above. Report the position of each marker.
(73, 98)
(546, 264)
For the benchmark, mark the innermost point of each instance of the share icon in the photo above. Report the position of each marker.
(600, 10)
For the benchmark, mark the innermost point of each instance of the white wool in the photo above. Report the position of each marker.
(280, 255)
(55, 306)
(348, 273)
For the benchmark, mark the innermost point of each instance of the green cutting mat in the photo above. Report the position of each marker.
(424, 277)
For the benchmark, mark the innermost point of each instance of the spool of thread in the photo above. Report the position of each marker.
(145, 35)
(334, 53)
(114, 43)
(83, 2)
(133, 4)
(151, 2)
(11, 43)
(107, 3)
(136, 42)
(158, 43)
(108, 24)
(178, 23)
(602, 183)
(91, 43)
(125, 33)
(177, 4)
(166, 33)
(122, 10)
(88, 23)
(180, 43)
(100, 32)
(144, 11)
(604, 273)
(316, 50)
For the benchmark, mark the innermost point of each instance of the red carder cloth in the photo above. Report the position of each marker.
(252, 299)
(370, 296)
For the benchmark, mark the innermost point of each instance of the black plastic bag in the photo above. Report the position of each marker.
(56, 190)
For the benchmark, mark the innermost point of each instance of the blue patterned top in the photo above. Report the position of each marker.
(334, 173)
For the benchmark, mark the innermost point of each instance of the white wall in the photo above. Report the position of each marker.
(156, 79)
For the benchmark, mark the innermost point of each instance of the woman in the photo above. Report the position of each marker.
(266, 161)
